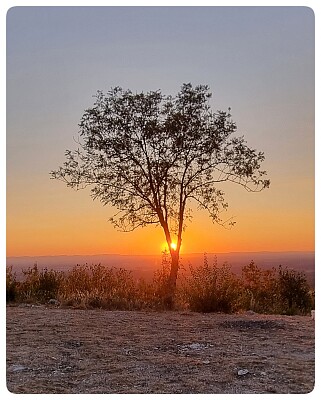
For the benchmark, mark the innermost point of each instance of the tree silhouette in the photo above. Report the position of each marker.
(151, 156)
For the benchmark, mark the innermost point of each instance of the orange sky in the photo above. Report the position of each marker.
(258, 61)
(64, 221)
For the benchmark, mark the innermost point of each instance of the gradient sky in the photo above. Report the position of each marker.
(258, 61)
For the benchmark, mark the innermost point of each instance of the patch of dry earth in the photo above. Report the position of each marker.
(53, 350)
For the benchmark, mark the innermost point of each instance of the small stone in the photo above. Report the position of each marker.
(195, 346)
(206, 362)
(53, 302)
(18, 368)
(242, 372)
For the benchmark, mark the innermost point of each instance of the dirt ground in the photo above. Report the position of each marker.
(53, 350)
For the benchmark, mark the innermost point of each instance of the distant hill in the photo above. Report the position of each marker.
(145, 265)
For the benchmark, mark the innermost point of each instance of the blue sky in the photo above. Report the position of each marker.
(257, 60)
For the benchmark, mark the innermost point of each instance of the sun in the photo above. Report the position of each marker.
(165, 247)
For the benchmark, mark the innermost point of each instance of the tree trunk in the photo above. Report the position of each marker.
(171, 283)
(171, 288)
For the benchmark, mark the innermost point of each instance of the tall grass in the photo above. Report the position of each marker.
(206, 288)
(98, 286)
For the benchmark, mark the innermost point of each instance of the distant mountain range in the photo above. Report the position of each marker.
(145, 265)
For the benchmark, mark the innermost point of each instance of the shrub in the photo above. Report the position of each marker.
(39, 285)
(152, 295)
(98, 286)
(211, 288)
(260, 289)
(160, 283)
(275, 291)
(11, 285)
(295, 293)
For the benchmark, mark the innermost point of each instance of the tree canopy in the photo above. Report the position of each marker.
(150, 156)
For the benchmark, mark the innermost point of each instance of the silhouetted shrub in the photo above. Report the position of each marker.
(211, 288)
(295, 293)
(160, 283)
(11, 285)
(39, 285)
(275, 291)
(260, 289)
(98, 286)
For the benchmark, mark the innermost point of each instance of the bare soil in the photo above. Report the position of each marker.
(55, 350)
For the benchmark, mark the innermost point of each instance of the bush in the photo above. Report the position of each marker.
(295, 293)
(98, 286)
(211, 288)
(275, 291)
(11, 285)
(160, 284)
(39, 285)
(260, 289)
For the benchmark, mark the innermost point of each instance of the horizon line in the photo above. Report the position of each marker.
(154, 254)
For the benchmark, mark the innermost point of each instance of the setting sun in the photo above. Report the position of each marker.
(173, 246)
(165, 247)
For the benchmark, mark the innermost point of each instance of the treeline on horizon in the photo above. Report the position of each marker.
(206, 288)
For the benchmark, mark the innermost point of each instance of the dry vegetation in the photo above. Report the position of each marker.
(206, 288)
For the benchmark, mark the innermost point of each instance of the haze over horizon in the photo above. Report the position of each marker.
(145, 265)
(257, 60)
(159, 254)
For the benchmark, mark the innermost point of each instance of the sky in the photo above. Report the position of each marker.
(257, 60)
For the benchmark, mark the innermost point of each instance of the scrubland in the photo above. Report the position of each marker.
(204, 288)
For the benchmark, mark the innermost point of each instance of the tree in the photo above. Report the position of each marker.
(151, 156)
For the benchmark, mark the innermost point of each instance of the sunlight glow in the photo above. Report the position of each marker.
(165, 247)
